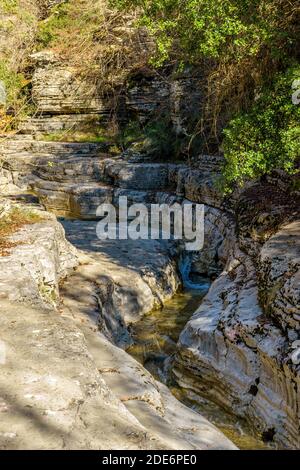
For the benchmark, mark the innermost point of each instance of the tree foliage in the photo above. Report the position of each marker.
(267, 136)
(245, 43)
(192, 29)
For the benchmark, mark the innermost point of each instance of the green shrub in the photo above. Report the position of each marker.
(162, 139)
(238, 44)
(130, 134)
(20, 9)
(193, 29)
(56, 22)
(18, 26)
(267, 137)
(16, 97)
(9, 6)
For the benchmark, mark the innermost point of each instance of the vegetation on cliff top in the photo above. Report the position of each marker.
(248, 52)
(241, 45)
(267, 136)
(102, 43)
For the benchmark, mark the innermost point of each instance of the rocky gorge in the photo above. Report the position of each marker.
(68, 300)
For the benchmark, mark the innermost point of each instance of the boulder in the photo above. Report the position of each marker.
(39, 259)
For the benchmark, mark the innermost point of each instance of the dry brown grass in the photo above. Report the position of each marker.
(11, 223)
(104, 45)
(18, 26)
(101, 44)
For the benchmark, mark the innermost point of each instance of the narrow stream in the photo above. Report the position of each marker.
(155, 337)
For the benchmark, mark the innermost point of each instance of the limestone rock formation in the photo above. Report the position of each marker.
(279, 271)
(58, 90)
(147, 95)
(125, 278)
(30, 273)
(233, 350)
(239, 354)
(54, 395)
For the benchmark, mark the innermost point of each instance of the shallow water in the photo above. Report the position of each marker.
(155, 337)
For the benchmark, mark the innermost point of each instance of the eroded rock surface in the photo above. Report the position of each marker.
(56, 89)
(31, 271)
(54, 394)
(242, 355)
(148, 400)
(240, 349)
(51, 394)
(63, 384)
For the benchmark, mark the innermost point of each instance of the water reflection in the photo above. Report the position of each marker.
(155, 337)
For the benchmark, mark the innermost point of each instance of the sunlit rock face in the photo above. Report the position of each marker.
(58, 123)
(26, 161)
(84, 392)
(239, 347)
(57, 355)
(40, 258)
(56, 89)
(65, 101)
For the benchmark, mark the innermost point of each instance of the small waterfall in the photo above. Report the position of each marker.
(185, 266)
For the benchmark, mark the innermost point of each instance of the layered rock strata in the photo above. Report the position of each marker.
(63, 384)
(240, 347)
